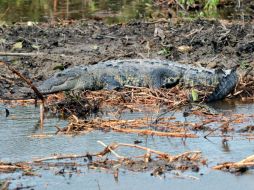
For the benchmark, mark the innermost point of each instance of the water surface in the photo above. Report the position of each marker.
(111, 11)
(17, 145)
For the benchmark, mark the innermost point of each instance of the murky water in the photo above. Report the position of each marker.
(111, 11)
(17, 145)
(55, 10)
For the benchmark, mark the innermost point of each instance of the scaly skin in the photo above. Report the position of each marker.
(226, 85)
(140, 72)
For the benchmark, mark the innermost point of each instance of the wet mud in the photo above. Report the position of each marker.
(207, 43)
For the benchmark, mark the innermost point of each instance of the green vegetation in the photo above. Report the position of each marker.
(44, 10)
(244, 65)
(207, 4)
(165, 51)
(211, 4)
(209, 7)
(110, 10)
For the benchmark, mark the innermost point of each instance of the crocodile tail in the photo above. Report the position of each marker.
(226, 85)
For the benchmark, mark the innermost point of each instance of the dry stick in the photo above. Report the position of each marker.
(20, 54)
(233, 165)
(157, 133)
(59, 157)
(113, 152)
(5, 185)
(42, 114)
(117, 145)
(37, 92)
(249, 161)
(15, 166)
(205, 136)
(163, 154)
(4, 167)
(186, 154)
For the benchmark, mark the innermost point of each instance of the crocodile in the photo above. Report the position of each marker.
(114, 74)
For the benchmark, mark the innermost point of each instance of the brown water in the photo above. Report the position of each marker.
(17, 145)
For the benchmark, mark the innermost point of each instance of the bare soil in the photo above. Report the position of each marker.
(207, 43)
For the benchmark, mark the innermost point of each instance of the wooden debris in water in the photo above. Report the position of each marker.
(162, 125)
(150, 160)
(170, 128)
(11, 167)
(88, 102)
(236, 167)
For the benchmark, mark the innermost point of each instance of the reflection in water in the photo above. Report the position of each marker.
(225, 146)
(53, 10)
(17, 145)
(111, 11)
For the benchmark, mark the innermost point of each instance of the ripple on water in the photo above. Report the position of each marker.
(16, 145)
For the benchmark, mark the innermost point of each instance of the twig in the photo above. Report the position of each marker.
(249, 161)
(135, 87)
(5, 185)
(37, 92)
(41, 115)
(185, 154)
(162, 20)
(20, 54)
(59, 157)
(162, 154)
(194, 32)
(113, 152)
(232, 165)
(14, 166)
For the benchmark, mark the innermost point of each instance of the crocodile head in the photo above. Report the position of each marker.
(61, 81)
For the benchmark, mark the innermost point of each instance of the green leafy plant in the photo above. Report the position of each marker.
(165, 52)
(244, 65)
(211, 4)
(208, 4)
(194, 95)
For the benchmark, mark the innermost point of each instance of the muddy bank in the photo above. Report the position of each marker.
(208, 43)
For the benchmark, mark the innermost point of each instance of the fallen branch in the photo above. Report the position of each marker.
(133, 163)
(247, 162)
(230, 165)
(113, 152)
(60, 157)
(161, 154)
(156, 133)
(37, 92)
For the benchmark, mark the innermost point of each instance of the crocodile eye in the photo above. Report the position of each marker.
(59, 74)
